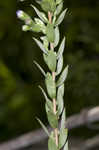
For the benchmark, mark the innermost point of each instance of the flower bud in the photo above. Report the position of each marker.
(25, 28)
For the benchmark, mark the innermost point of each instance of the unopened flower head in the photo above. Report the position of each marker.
(20, 14)
(25, 28)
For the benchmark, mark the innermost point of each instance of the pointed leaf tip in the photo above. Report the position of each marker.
(40, 68)
(43, 126)
(40, 45)
(63, 76)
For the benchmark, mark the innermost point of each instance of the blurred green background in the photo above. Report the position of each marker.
(20, 99)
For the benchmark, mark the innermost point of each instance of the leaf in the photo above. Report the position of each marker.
(46, 98)
(57, 36)
(43, 126)
(61, 17)
(48, 102)
(66, 146)
(59, 65)
(58, 1)
(51, 144)
(50, 60)
(50, 85)
(62, 77)
(45, 42)
(60, 102)
(50, 32)
(41, 15)
(63, 119)
(52, 118)
(62, 137)
(48, 5)
(59, 8)
(61, 48)
(40, 25)
(40, 45)
(40, 68)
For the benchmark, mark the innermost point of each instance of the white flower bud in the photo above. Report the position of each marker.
(25, 28)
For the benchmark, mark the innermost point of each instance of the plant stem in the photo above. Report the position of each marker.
(53, 75)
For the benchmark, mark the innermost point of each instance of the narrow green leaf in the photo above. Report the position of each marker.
(40, 68)
(40, 45)
(50, 32)
(50, 60)
(60, 102)
(50, 85)
(45, 42)
(52, 118)
(63, 119)
(49, 104)
(43, 126)
(62, 137)
(40, 25)
(59, 65)
(61, 17)
(57, 36)
(58, 1)
(41, 15)
(61, 48)
(51, 144)
(59, 8)
(63, 76)
(66, 146)
(48, 5)
(45, 95)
